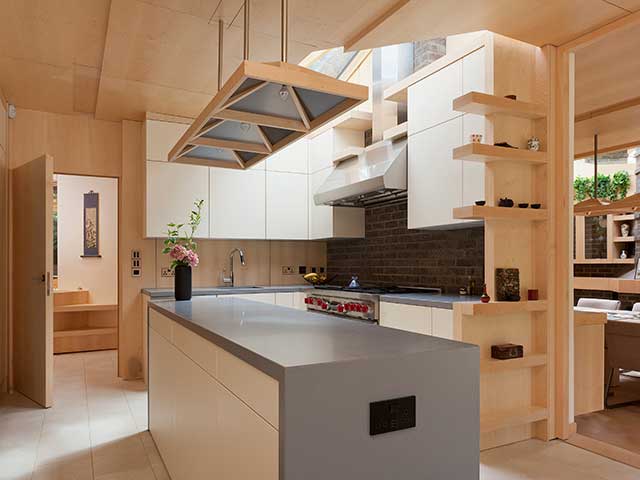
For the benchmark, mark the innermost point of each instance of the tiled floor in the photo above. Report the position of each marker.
(96, 430)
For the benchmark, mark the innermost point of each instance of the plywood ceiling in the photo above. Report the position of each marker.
(120, 58)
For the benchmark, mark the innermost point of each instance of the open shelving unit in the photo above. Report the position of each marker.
(481, 152)
(486, 212)
(614, 242)
(80, 325)
(397, 132)
(346, 154)
(516, 395)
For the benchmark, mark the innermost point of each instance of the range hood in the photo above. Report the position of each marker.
(377, 175)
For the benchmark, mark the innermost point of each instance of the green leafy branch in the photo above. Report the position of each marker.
(183, 233)
(612, 188)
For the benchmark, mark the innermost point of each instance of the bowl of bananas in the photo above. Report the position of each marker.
(317, 278)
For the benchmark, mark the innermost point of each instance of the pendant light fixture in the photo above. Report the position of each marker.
(262, 108)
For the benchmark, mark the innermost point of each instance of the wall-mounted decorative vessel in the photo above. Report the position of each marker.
(508, 284)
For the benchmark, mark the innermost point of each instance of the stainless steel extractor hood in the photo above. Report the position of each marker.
(377, 175)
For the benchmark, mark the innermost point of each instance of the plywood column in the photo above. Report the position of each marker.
(131, 237)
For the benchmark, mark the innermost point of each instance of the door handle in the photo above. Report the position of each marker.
(48, 284)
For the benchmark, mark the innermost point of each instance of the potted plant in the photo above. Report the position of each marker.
(181, 248)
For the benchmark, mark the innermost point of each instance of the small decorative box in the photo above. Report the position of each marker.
(507, 351)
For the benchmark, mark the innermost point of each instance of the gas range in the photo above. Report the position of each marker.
(361, 303)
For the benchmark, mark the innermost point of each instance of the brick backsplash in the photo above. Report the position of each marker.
(391, 254)
(600, 270)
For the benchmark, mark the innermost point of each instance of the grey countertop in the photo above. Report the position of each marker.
(168, 292)
(428, 299)
(275, 339)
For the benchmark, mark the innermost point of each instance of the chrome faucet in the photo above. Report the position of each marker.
(230, 278)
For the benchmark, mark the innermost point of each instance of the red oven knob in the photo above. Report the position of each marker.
(358, 308)
(318, 301)
(325, 306)
(365, 308)
(307, 300)
(340, 308)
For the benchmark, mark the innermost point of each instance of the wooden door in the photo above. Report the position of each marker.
(32, 200)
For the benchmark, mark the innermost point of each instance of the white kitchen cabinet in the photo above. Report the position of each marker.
(161, 138)
(474, 71)
(430, 100)
(172, 189)
(238, 203)
(411, 318)
(434, 178)
(324, 147)
(291, 300)
(442, 322)
(287, 214)
(472, 172)
(332, 222)
(294, 158)
(256, 297)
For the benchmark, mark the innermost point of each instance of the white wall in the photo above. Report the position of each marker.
(98, 275)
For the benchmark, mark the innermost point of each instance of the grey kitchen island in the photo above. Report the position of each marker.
(245, 390)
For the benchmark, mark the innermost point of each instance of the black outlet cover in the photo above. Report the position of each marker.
(302, 269)
(392, 415)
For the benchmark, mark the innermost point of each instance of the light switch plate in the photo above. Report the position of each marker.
(167, 272)
(287, 270)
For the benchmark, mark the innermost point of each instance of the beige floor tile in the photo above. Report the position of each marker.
(143, 473)
(71, 467)
(120, 456)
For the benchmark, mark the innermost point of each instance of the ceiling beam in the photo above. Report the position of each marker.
(207, 128)
(375, 23)
(207, 162)
(230, 145)
(238, 158)
(583, 41)
(633, 102)
(260, 119)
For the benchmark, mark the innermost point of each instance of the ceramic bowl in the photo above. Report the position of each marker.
(481, 203)
(535, 205)
(523, 205)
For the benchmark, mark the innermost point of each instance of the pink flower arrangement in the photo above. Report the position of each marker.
(179, 244)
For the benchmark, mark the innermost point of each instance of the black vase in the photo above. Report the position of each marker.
(182, 287)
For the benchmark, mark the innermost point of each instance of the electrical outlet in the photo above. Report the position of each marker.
(287, 270)
(392, 415)
(135, 272)
(167, 272)
(135, 263)
(302, 269)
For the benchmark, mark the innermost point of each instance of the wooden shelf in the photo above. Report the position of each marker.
(501, 308)
(397, 132)
(83, 332)
(485, 104)
(511, 418)
(85, 307)
(491, 365)
(604, 261)
(624, 218)
(620, 285)
(346, 154)
(624, 239)
(482, 152)
(355, 120)
(475, 212)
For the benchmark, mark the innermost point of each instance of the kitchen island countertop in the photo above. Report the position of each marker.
(437, 300)
(221, 290)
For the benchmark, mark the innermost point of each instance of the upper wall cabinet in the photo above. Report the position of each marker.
(294, 158)
(287, 212)
(431, 99)
(162, 137)
(238, 203)
(172, 188)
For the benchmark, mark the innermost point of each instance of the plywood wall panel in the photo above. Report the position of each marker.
(130, 333)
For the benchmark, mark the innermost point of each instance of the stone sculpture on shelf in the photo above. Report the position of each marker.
(507, 284)
(624, 229)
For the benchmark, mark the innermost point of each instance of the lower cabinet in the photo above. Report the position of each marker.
(414, 318)
(200, 425)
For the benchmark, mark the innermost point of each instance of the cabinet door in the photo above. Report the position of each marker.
(321, 151)
(442, 320)
(411, 318)
(294, 158)
(163, 358)
(472, 172)
(430, 101)
(172, 188)
(434, 178)
(287, 200)
(474, 72)
(237, 203)
(320, 216)
(257, 297)
(162, 137)
(285, 299)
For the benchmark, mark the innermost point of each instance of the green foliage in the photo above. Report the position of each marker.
(176, 235)
(609, 187)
